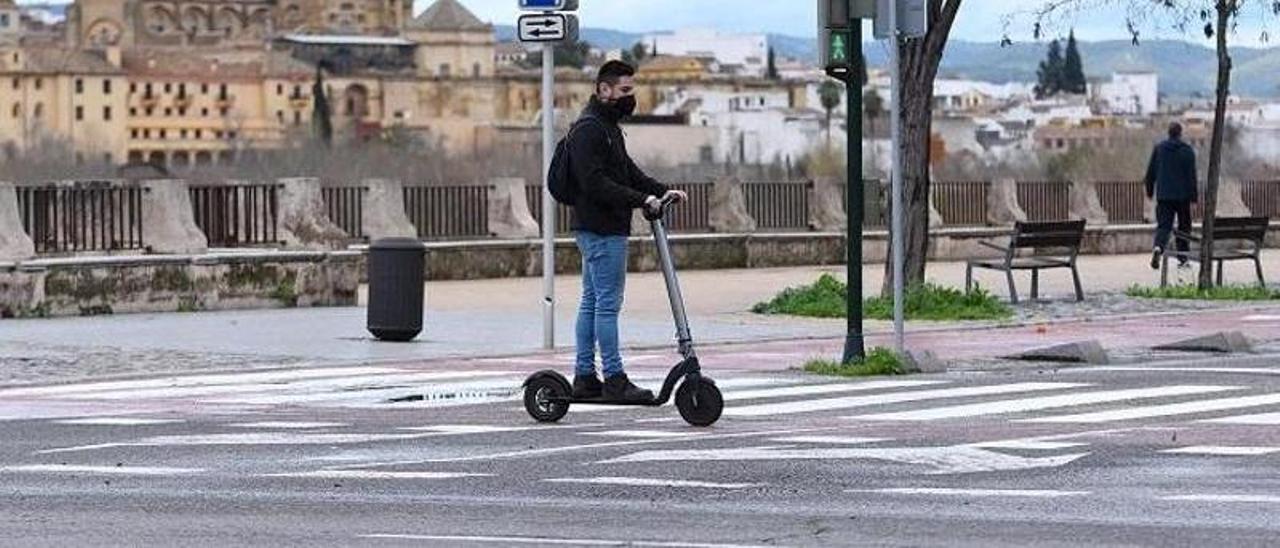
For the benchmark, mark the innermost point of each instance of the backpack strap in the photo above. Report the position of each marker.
(590, 118)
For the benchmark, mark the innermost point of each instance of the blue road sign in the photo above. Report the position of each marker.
(549, 5)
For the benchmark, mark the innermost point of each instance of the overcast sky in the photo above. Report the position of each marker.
(979, 20)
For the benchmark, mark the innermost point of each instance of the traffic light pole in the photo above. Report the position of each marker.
(854, 343)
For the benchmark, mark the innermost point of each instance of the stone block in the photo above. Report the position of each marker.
(1086, 205)
(1003, 208)
(1090, 352)
(826, 205)
(1231, 198)
(1226, 342)
(168, 218)
(384, 211)
(509, 214)
(15, 244)
(304, 219)
(922, 361)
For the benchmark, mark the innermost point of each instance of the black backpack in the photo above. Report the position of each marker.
(559, 176)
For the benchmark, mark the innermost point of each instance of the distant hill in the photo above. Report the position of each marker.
(1185, 69)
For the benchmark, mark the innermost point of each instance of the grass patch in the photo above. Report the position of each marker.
(826, 299)
(1191, 292)
(879, 362)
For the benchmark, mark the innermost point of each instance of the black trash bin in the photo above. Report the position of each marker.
(396, 272)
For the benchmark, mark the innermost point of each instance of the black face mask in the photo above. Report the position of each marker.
(626, 106)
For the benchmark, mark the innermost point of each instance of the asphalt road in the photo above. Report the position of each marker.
(1173, 455)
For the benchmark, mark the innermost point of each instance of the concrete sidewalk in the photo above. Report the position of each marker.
(503, 317)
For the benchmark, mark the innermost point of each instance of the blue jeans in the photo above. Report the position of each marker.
(604, 275)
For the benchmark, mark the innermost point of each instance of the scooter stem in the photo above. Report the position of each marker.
(683, 336)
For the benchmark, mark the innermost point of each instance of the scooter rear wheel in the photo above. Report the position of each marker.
(546, 399)
(701, 407)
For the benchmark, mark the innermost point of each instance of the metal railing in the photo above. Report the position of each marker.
(84, 216)
(1262, 197)
(441, 212)
(778, 205)
(1045, 200)
(1124, 201)
(694, 216)
(345, 206)
(962, 203)
(239, 214)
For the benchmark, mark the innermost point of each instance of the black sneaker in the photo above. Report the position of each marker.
(587, 388)
(1155, 258)
(619, 389)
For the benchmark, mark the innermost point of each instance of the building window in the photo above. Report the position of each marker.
(79, 86)
(204, 112)
(168, 111)
(279, 89)
(16, 83)
(106, 87)
(444, 70)
(182, 133)
(297, 91)
(39, 83)
(280, 116)
(222, 90)
(231, 134)
(146, 134)
(106, 158)
(149, 111)
(217, 134)
(182, 113)
(182, 90)
(39, 111)
(199, 134)
(475, 70)
(168, 88)
(204, 88)
(133, 87)
(297, 118)
(133, 133)
(162, 134)
(79, 158)
(4, 20)
(17, 108)
(222, 111)
(79, 113)
(146, 90)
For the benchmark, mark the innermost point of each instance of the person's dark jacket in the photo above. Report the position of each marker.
(610, 185)
(1171, 173)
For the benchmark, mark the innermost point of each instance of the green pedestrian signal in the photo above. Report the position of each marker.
(839, 48)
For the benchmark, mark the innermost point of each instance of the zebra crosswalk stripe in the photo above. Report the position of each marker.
(1186, 408)
(805, 406)
(1047, 402)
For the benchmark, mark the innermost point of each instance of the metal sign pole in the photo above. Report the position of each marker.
(899, 255)
(548, 202)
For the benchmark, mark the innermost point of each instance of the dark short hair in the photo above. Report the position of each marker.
(613, 71)
(1175, 130)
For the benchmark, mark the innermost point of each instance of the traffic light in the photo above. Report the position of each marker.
(836, 50)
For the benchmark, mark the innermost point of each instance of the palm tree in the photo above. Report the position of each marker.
(829, 94)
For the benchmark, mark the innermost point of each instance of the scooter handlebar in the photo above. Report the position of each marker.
(664, 204)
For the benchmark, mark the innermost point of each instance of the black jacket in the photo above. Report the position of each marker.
(610, 185)
(1171, 173)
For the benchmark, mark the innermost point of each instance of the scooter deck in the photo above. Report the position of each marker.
(603, 401)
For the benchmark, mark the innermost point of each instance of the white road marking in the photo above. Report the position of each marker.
(835, 440)
(1224, 498)
(118, 421)
(293, 392)
(1164, 410)
(375, 474)
(728, 393)
(1262, 318)
(647, 482)
(286, 425)
(641, 434)
(1047, 402)
(279, 438)
(1268, 419)
(805, 406)
(467, 428)
(1240, 370)
(1234, 451)
(195, 380)
(103, 470)
(1027, 444)
(1001, 493)
(945, 460)
(557, 541)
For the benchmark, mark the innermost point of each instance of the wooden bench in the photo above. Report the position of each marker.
(1051, 245)
(1235, 239)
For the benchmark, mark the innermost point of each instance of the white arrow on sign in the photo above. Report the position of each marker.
(546, 27)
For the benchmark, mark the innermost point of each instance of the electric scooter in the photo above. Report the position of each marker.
(548, 394)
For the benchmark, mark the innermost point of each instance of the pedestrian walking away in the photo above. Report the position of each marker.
(1171, 182)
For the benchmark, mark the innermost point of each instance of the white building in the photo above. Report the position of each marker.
(1131, 93)
(742, 54)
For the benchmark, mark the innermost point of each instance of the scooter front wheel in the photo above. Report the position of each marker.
(701, 406)
(546, 399)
